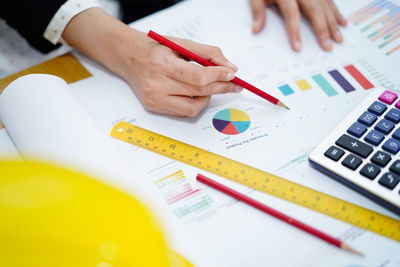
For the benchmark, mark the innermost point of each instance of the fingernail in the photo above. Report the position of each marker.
(327, 43)
(338, 36)
(297, 45)
(238, 88)
(230, 76)
(256, 25)
(343, 21)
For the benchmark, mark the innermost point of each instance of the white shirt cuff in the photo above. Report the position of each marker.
(64, 15)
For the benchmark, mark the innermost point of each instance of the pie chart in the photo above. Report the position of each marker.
(231, 121)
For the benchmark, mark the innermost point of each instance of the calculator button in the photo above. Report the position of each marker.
(384, 126)
(393, 115)
(396, 134)
(370, 171)
(367, 118)
(388, 97)
(354, 145)
(389, 180)
(374, 137)
(357, 129)
(392, 146)
(381, 158)
(377, 108)
(352, 161)
(334, 153)
(398, 105)
(395, 167)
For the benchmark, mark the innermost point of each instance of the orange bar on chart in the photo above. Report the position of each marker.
(393, 50)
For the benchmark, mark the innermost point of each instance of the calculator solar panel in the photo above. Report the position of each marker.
(362, 152)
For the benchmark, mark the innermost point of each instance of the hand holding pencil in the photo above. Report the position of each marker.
(206, 63)
(162, 80)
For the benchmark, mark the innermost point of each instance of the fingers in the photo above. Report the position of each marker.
(171, 97)
(333, 26)
(196, 75)
(314, 10)
(187, 106)
(291, 13)
(207, 90)
(325, 19)
(339, 17)
(208, 52)
(157, 99)
(173, 86)
(258, 10)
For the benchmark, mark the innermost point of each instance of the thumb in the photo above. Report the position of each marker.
(258, 9)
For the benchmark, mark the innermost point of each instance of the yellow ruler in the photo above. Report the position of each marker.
(258, 180)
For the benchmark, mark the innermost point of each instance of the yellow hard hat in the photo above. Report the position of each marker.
(51, 216)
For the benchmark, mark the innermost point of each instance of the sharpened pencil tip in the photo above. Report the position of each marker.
(351, 250)
(282, 105)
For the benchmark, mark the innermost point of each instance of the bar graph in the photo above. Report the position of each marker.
(379, 21)
(180, 194)
(330, 82)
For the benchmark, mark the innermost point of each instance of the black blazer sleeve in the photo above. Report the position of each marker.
(136, 9)
(30, 18)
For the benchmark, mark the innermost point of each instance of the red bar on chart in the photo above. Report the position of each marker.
(359, 77)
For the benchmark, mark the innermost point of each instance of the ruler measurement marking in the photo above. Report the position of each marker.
(259, 180)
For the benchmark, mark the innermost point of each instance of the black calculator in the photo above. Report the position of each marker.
(362, 152)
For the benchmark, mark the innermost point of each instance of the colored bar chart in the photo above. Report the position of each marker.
(330, 87)
(346, 86)
(180, 194)
(390, 38)
(379, 21)
(324, 85)
(359, 77)
(365, 9)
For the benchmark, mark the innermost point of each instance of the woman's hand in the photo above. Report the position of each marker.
(323, 15)
(163, 81)
(166, 83)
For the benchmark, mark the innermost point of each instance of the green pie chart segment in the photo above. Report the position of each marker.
(231, 121)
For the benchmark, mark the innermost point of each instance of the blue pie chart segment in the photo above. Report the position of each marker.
(241, 126)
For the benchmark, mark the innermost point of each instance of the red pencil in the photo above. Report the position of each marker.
(279, 215)
(186, 53)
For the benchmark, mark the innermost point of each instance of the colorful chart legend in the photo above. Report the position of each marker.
(231, 121)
